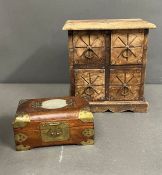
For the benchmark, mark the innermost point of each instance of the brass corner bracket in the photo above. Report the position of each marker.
(21, 120)
(85, 116)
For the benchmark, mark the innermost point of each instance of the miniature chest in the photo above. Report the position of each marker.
(59, 121)
(107, 61)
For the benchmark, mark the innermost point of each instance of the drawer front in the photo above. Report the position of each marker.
(125, 84)
(127, 47)
(90, 83)
(89, 47)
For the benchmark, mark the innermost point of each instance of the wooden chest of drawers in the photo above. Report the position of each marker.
(107, 61)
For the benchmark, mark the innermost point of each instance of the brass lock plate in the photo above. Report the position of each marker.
(54, 131)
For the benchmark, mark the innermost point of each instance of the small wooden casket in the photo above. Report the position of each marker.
(56, 121)
(107, 62)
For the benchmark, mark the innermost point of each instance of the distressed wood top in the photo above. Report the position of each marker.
(107, 24)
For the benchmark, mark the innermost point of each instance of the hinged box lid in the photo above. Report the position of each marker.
(49, 109)
(108, 24)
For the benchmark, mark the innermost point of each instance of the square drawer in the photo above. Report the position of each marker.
(127, 47)
(89, 47)
(125, 84)
(90, 83)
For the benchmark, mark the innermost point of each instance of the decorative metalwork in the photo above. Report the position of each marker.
(21, 120)
(124, 84)
(89, 53)
(89, 90)
(89, 46)
(125, 90)
(127, 48)
(88, 132)
(37, 104)
(85, 116)
(87, 142)
(54, 131)
(90, 84)
(20, 137)
(22, 147)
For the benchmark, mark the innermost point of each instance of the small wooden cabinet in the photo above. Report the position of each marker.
(107, 61)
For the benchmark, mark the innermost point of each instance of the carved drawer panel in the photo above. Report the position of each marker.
(90, 83)
(127, 47)
(125, 84)
(89, 47)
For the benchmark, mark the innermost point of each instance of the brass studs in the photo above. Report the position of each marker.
(88, 132)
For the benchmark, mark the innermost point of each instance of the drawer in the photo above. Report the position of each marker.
(89, 47)
(127, 47)
(125, 84)
(90, 83)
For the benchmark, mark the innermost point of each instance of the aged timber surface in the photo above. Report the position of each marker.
(108, 24)
(109, 65)
(125, 143)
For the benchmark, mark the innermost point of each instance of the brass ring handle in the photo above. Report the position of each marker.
(125, 90)
(89, 90)
(126, 53)
(89, 54)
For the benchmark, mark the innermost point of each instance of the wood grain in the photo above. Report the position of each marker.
(89, 47)
(107, 24)
(31, 132)
(127, 47)
(89, 83)
(115, 52)
(125, 84)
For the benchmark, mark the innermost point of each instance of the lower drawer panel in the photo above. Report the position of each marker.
(125, 84)
(90, 83)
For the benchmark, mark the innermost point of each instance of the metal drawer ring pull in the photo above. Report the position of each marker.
(124, 90)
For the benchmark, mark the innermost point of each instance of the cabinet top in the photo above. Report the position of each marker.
(107, 24)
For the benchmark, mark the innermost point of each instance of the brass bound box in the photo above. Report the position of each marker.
(107, 61)
(53, 121)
